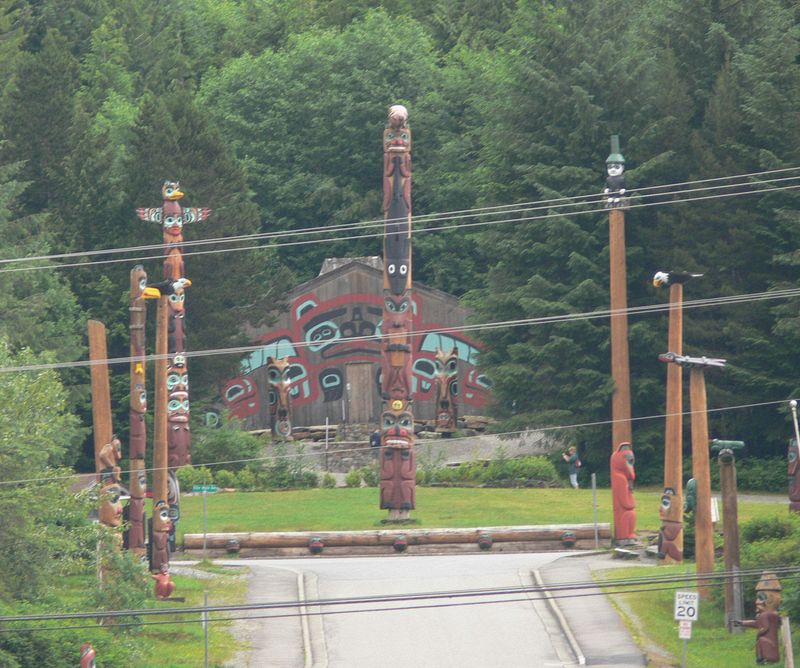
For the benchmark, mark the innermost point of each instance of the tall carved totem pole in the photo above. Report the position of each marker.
(398, 458)
(135, 516)
(172, 217)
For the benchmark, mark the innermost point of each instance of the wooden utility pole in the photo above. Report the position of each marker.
(673, 427)
(704, 535)
(616, 202)
(101, 392)
(734, 608)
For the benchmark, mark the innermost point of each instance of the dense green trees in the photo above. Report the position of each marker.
(270, 112)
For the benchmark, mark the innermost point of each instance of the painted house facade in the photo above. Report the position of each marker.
(330, 335)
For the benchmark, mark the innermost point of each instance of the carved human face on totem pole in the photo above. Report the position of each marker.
(396, 360)
(161, 520)
(398, 458)
(447, 390)
(793, 456)
(279, 399)
(768, 592)
(397, 202)
(178, 430)
(110, 512)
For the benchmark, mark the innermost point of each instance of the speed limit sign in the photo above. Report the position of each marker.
(686, 605)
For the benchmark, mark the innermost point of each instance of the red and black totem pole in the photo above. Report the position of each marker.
(447, 391)
(134, 512)
(280, 401)
(398, 458)
(172, 217)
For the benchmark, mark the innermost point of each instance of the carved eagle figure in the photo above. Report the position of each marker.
(170, 215)
(672, 277)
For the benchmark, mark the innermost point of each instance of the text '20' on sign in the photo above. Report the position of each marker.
(686, 605)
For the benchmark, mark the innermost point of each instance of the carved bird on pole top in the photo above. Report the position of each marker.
(689, 362)
(672, 277)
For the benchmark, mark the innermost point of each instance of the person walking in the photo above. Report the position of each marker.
(573, 463)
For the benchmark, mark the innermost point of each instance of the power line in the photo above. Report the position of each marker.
(449, 443)
(556, 591)
(580, 200)
(542, 320)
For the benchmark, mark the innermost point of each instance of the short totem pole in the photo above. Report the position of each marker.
(616, 201)
(672, 513)
(172, 217)
(280, 405)
(768, 619)
(398, 458)
(704, 538)
(446, 391)
(623, 475)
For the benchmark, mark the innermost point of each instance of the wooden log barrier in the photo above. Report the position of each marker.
(381, 537)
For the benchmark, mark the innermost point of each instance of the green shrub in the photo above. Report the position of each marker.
(370, 475)
(766, 528)
(285, 471)
(763, 475)
(328, 481)
(225, 478)
(247, 480)
(187, 477)
(229, 445)
(353, 478)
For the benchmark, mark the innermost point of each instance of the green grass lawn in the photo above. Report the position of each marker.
(357, 508)
(649, 618)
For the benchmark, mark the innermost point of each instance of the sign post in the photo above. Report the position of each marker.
(205, 489)
(687, 605)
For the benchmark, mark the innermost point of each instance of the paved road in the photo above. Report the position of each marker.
(511, 630)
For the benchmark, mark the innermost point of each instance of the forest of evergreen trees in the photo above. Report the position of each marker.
(271, 113)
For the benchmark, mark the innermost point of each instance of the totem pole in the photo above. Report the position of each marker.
(768, 619)
(793, 456)
(704, 538)
(135, 536)
(616, 202)
(623, 475)
(106, 445)
(172, 217)
(160, 523)
(730, 517)
(280, 405)
(447, 391)
(398, 458)
(672, 515)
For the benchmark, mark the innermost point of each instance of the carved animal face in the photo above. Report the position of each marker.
(670, 509)
(397, 425)
(171, 190)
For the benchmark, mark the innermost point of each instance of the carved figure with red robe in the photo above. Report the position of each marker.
(398, 458)
(793, 456)
(172, 217)
(88, 656)
(768, 619)
(623, 475)
(279, 399)
(447, 390)
(671, 513)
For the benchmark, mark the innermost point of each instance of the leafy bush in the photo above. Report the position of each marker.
(764, 475)
(225, 478)
(228, 444)
(288, 471)
(353, 478)
(328, 481)
(247, 480)
(370, 475)
(766, 528)
(187, 477)
(502, 470)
